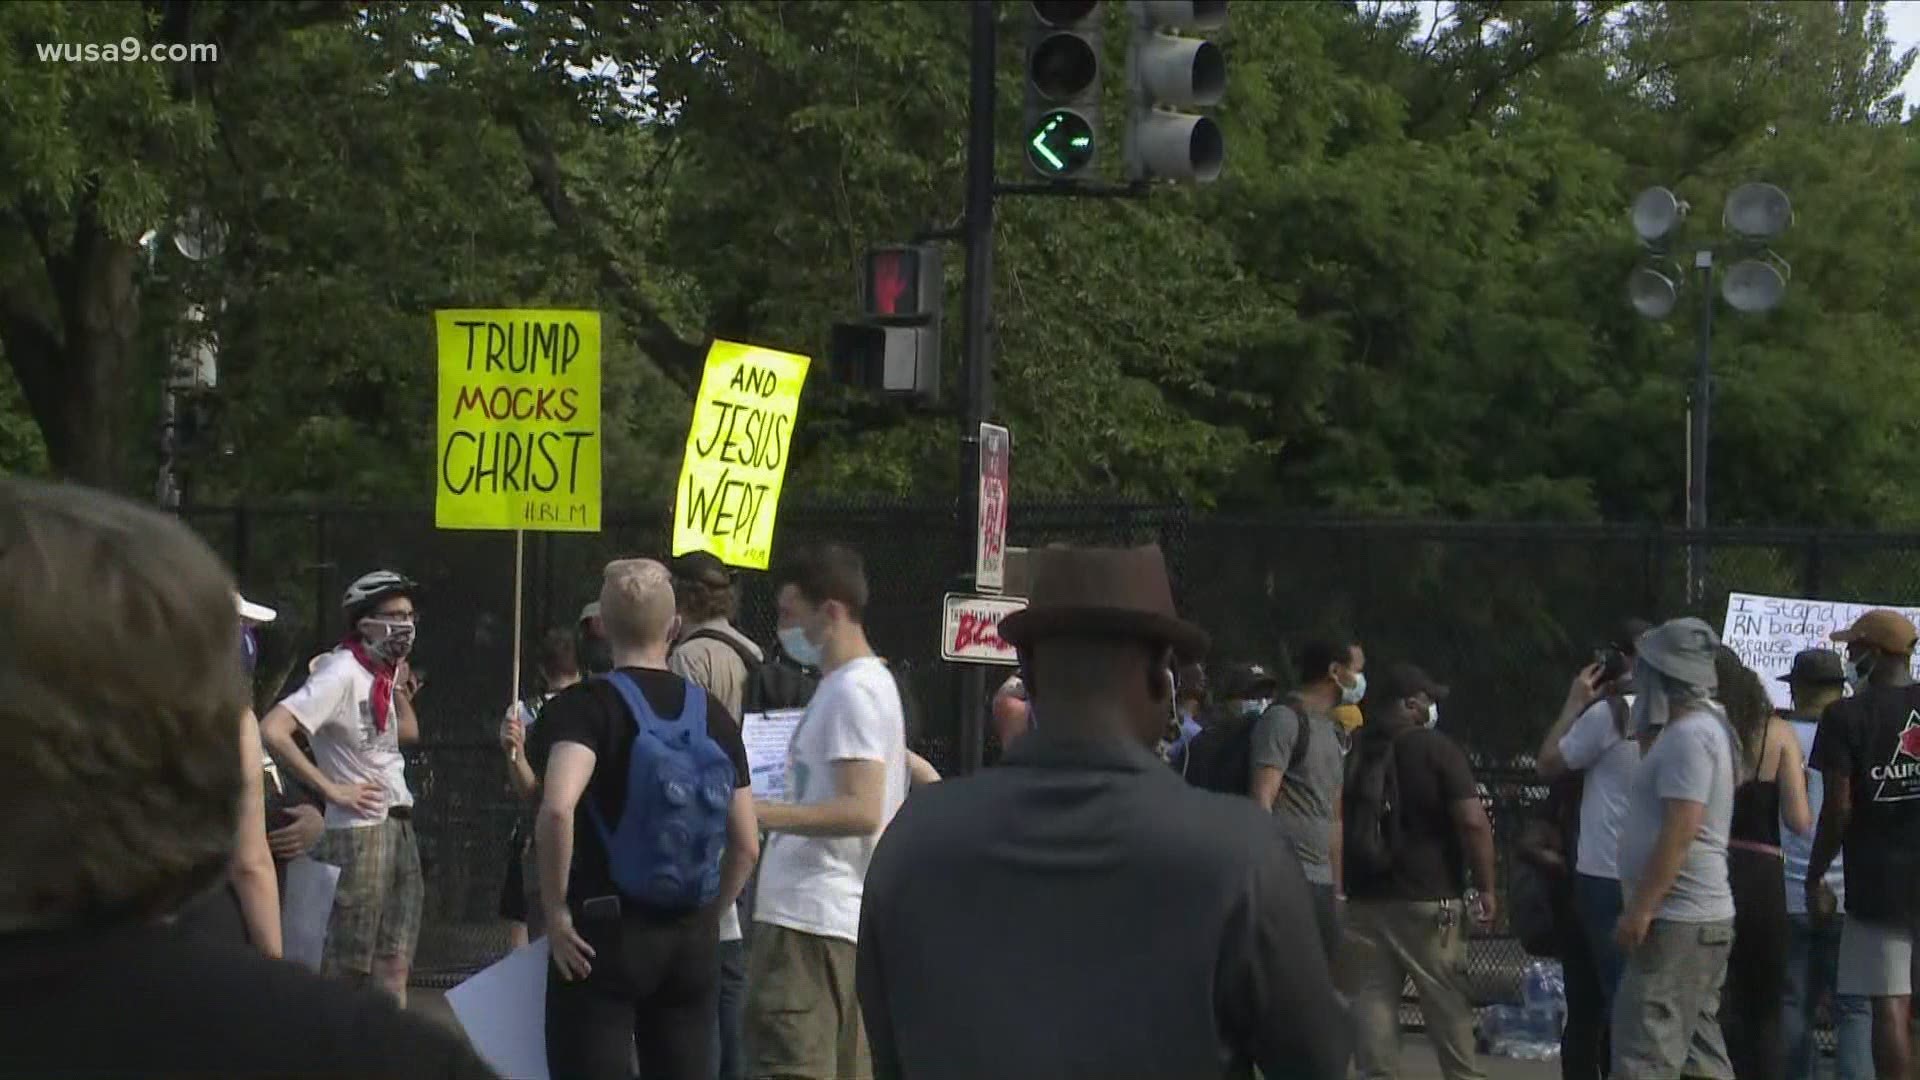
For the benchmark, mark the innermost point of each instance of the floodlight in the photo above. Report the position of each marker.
(1652, 293)
(1753, 286)
(197, 236)
(1656, 212)
(1757, 212)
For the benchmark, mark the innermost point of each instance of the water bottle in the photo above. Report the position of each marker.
(1543, 1012)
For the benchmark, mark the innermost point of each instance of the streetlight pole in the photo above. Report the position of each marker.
(1700, 417)
(978, 335)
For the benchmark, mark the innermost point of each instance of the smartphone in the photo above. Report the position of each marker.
(600, 909)
(1612, 663)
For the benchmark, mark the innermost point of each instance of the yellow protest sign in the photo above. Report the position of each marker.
(519, 427)
(737, 453)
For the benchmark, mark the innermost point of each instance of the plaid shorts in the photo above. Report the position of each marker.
(376, 911)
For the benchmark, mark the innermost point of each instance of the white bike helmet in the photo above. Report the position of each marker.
(373, 588)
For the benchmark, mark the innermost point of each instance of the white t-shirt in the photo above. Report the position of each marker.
(1798, 849)
(1593, 745)
(335, 705)
(813, 884)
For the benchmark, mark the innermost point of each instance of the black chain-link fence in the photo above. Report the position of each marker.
(1503, 613)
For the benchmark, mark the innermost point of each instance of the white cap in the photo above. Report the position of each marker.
(591, 611)
(253, 612)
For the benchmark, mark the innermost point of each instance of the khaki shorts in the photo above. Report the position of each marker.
(1876, 959)
(376, 909)
(803, 1021)
(1666, 1014)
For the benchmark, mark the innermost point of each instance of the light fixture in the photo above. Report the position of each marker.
(1653, 293)
(1753, 286)
(1757, 212)
(1656, 212)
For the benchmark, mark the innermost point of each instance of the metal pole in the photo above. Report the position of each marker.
(979, 354)
(1701, 416)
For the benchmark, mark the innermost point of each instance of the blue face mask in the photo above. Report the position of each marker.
(1255, 708)
(249, 648)
(794, 642)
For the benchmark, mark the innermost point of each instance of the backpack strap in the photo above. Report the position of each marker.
(746, 658)
(693, 714)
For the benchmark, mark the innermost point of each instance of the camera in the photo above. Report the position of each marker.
(1612, 663)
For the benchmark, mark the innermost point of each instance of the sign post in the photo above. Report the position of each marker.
(737, 448)
(990, 542)
(518, 433)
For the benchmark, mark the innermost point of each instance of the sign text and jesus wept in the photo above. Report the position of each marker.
(737, 453)
(519, 422)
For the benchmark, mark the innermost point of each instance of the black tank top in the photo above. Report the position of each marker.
(1756, 813)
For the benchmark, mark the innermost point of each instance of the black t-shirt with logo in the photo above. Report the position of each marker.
(593, 715)
(1874, 739)
(1429, 860)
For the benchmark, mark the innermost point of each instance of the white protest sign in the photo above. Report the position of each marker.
(1767, 631)
(990, 546)
(306, 910)
(769, 739)
(504, 1012)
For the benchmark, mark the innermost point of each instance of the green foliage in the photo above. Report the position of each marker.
(1405, 296)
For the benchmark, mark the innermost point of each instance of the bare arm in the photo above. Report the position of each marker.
(920, 771)
(743, 847)
(569, 768)
(1476, 839)
(1550, 762)
(1679, 826)
(409, 722)
(513, 740)
(1836, 811)
(856, 809)
(1791, 773)
(276, 731)
(251, 871)
(1336, 838)
(1267, 782)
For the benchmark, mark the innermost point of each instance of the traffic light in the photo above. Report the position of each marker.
(1063, 87)
(896, 349)
(1166, 73)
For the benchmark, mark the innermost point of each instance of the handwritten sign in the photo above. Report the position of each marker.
(737, 453)
(1767, 631)
(769, 741)
(990, 547)
(970, 629)
(519, 424)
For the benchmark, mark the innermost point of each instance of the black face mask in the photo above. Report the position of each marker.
(596, 656)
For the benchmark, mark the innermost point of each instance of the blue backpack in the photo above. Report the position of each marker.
(664, 852)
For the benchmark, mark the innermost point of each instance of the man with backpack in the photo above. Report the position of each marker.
(1297, 763)
(1413, 818)
(633, 882)
(1219, 757)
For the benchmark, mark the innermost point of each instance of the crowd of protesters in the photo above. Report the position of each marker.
(1698, 901)
(873, 921)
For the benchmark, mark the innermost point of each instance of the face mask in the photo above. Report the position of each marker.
(1650, 706)
(1255, 708)
(1433, 715)
(249, 649)
(795, 643)
(391, 639)
(1352, 695)
(1859, 672)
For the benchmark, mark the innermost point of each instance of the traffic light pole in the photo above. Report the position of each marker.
(978, 369)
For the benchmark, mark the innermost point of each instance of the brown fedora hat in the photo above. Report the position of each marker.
(1102, 592)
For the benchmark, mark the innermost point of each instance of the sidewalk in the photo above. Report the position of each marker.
(1416, 1062)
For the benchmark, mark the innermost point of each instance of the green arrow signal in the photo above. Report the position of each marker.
(1061, 144)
